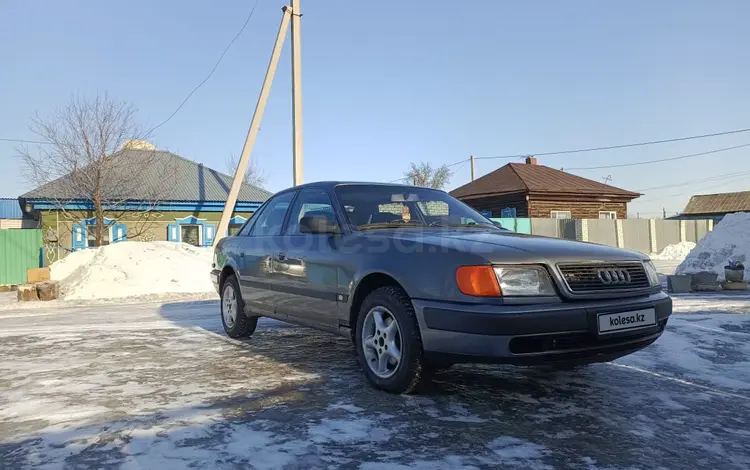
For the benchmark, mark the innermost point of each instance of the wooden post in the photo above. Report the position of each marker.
(252, 133)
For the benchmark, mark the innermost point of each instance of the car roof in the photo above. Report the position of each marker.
(332, 184)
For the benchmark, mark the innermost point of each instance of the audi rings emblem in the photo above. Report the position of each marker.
(610, 277)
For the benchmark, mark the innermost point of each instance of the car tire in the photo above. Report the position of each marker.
(410, 370)
(236, 323)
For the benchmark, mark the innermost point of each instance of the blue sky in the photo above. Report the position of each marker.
(394, 81)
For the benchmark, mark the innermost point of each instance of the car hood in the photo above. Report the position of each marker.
(503, 247)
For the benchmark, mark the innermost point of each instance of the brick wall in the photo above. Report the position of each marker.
(578, 209)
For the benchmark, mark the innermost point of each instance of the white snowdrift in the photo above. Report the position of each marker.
(134, 270)
(729, 241)
(676, 252)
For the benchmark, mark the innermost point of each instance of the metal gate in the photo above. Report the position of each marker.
(20, 249)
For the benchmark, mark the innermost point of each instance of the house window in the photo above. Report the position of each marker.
(560, 215)
(508, 212)
(234, 229)
(91, 236)
(191, 234)
(607, 214)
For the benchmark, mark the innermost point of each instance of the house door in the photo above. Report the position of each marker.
(190, 234)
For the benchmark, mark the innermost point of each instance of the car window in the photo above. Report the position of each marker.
(310, 202)
(270, 220)
(374, 206)
(245, 229)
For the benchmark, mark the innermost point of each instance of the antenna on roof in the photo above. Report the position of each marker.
(607, 179)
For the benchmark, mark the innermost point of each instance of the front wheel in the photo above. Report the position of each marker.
(388, 342)
(236, 323)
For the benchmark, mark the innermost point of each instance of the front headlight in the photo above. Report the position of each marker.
(653, 275)
(524, 281)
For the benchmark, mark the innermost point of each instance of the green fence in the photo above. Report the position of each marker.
(519, 225)
(20, 249)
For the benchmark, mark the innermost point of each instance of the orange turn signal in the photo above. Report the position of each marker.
(479, 281)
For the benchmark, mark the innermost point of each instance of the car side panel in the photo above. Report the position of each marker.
(307, 279)
(254, 263)
(421, 272)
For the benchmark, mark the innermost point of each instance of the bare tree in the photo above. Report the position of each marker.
(423, 174)
(90, 163)
(253, 175)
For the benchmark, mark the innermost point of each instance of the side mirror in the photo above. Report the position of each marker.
(317, 225)
(497, 224)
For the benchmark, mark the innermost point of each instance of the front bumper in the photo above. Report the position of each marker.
(534, 334)
(215, 273)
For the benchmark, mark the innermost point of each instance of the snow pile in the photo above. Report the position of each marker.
(729, 241)
(678, 251)
(134, 270)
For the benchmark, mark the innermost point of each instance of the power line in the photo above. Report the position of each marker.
(648, 162)
(22, 141)
(693, 191)
(703, 180)
(611, 147)
(221, 57)
(458, 162)
(189, 95)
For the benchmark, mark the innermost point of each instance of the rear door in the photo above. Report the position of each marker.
(257, 250)
(308, 265)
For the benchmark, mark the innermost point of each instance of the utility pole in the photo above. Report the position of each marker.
(472, 167)
(252, 133)
(664, 212)
(297, 94)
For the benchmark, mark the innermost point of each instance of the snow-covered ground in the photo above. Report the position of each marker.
(729, 241)
(676, 252)
(135, 271)
(159, 386)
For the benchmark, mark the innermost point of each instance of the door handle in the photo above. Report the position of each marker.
(281, 256)
(242, 254)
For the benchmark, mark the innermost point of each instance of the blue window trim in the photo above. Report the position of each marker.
(190, 220)
(207, 230)
(166, 206)
(92, 221)
(118, 232)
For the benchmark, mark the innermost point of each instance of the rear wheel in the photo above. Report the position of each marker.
(388, 342)
(236, 323)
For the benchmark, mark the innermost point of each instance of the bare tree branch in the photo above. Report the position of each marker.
(424, 175)
(89, 162)
(253, 175)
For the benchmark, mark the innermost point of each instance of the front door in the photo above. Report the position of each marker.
(306, 267)
(256, 250)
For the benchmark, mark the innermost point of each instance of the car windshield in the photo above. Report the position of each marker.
(382, 206)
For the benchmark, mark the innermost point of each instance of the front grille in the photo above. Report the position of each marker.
(574, 341)
(603, 277)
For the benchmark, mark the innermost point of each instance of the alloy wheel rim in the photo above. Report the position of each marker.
(382, 342)
(229, 306)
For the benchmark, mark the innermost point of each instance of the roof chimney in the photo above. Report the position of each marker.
(138, 145)
(531, 160)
